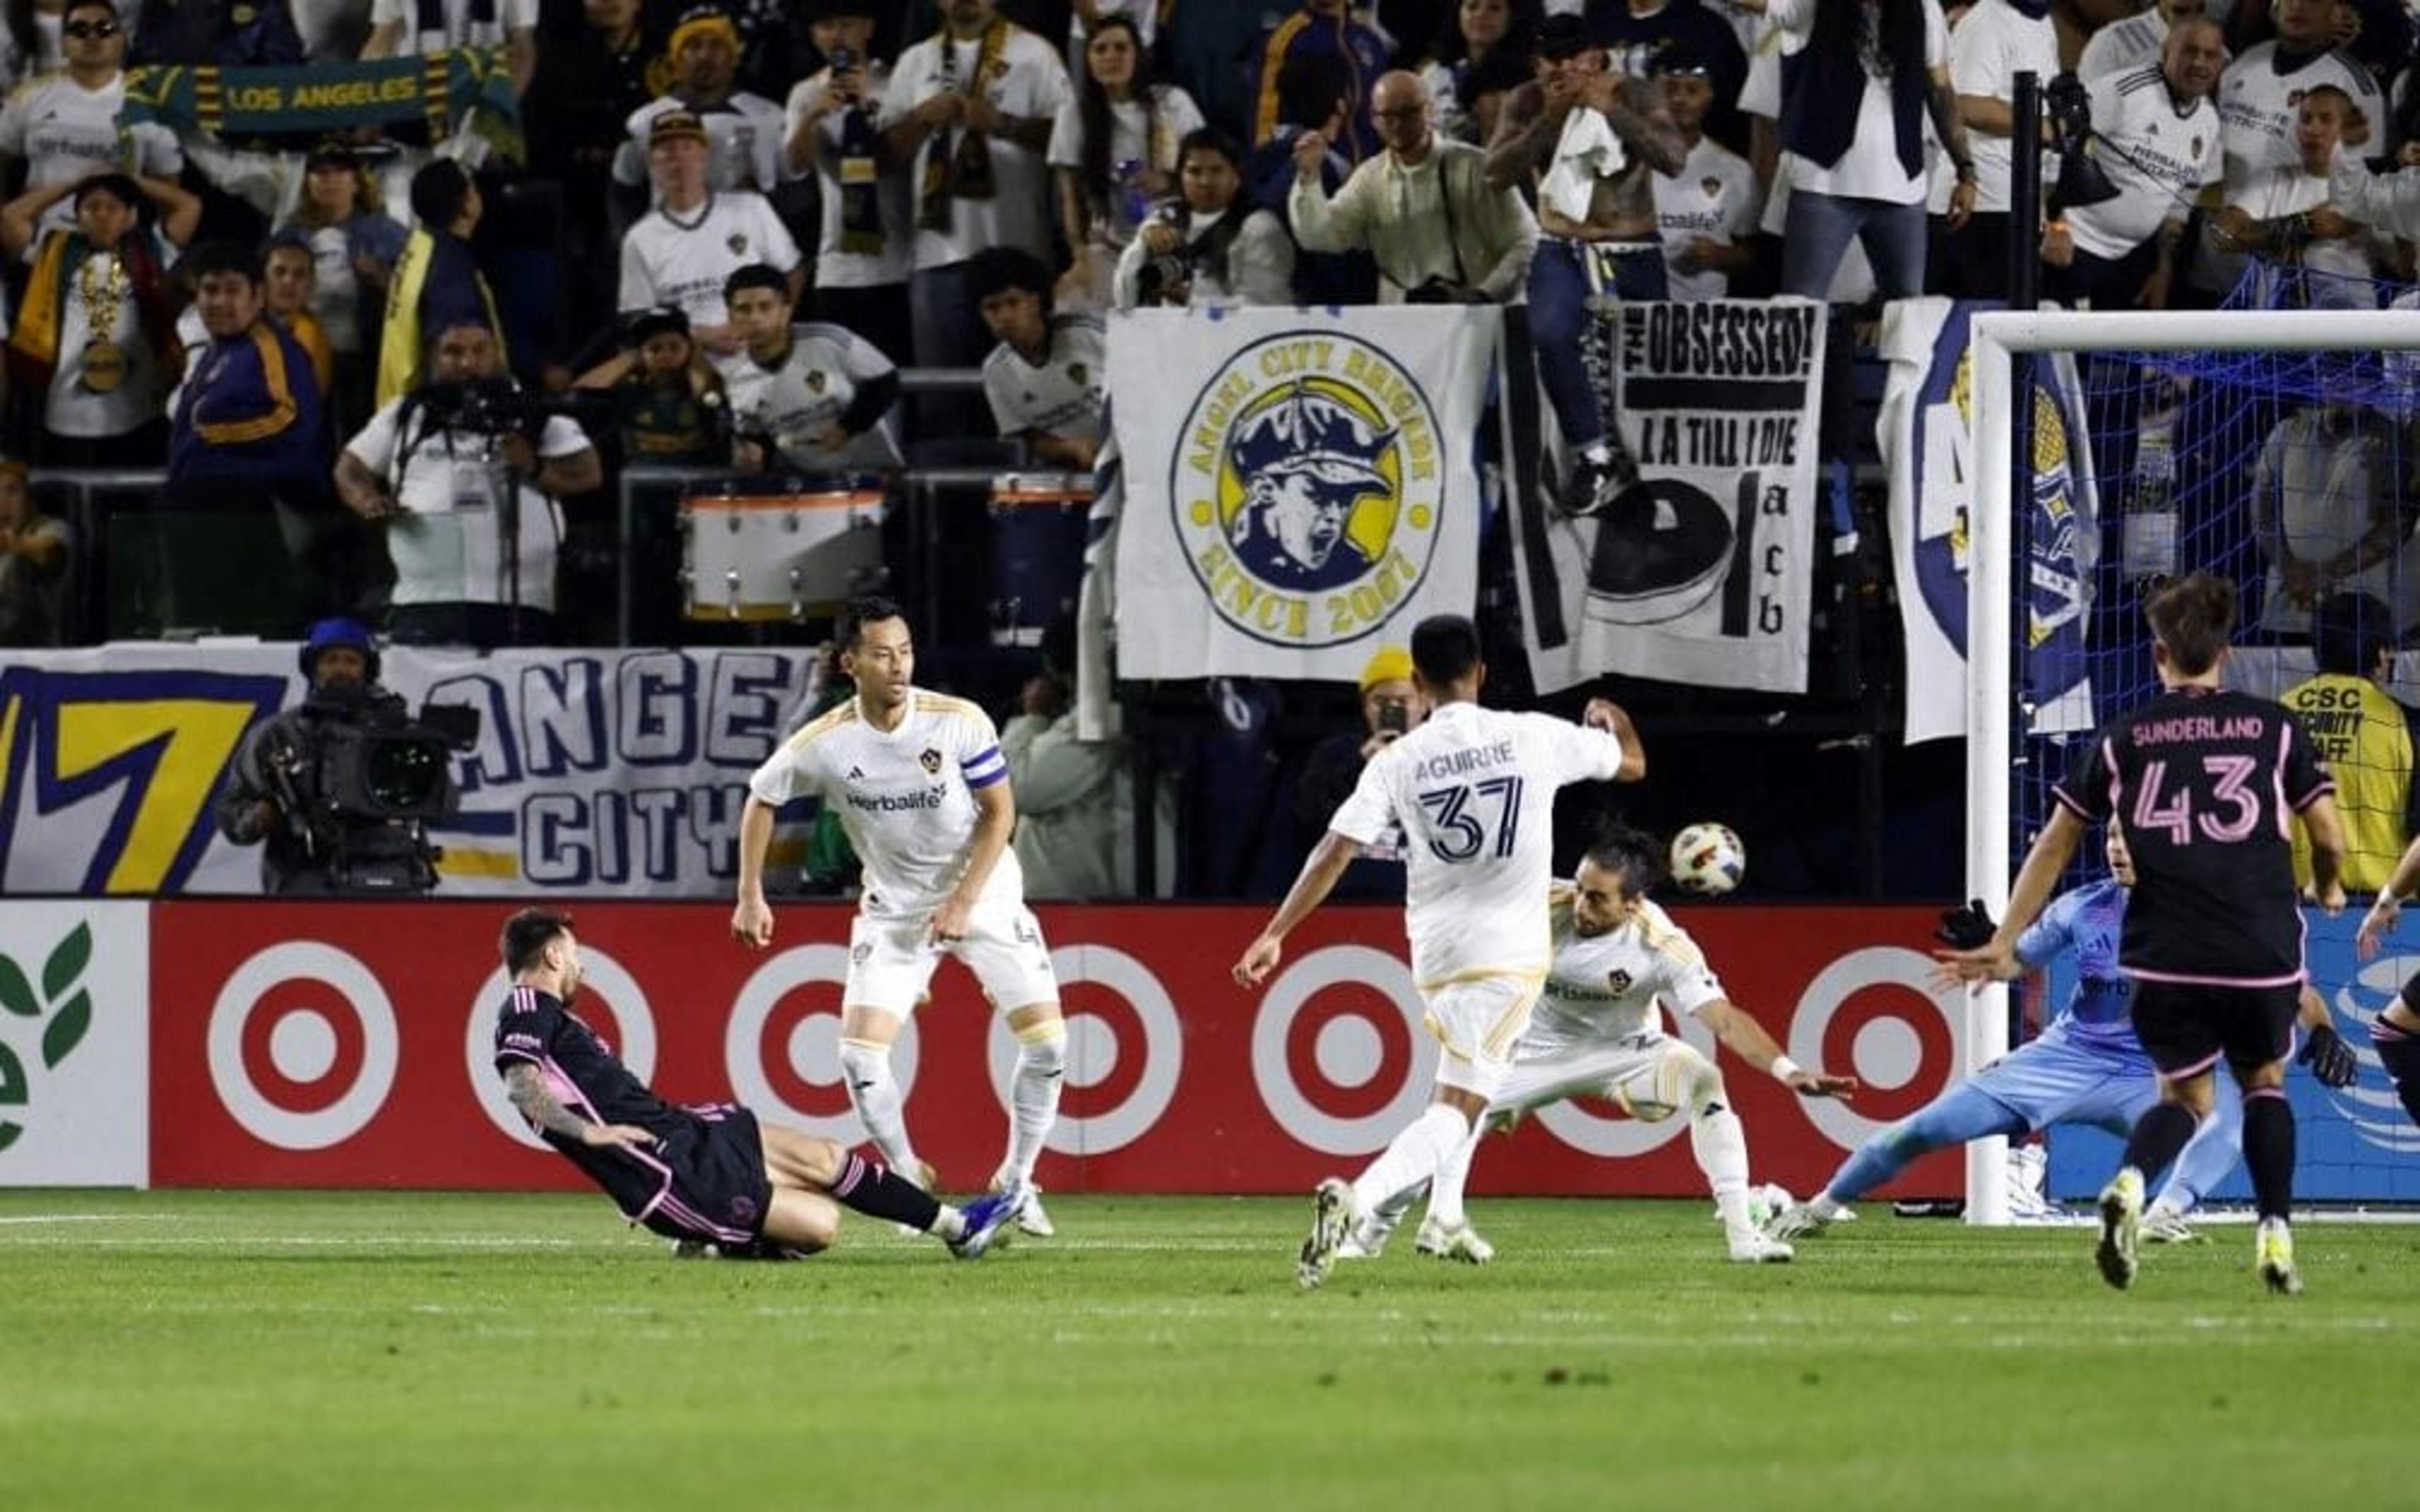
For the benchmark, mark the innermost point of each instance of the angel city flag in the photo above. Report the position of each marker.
(1298, 486)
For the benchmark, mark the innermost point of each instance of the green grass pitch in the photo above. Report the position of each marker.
(361, 1351)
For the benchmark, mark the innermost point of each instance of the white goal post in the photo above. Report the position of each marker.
(1996, 339)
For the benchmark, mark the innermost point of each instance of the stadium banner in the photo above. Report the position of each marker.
(1298, 486)
(344, 1046)
(76, 1034)
(603, 773)
(1926, 432)
(1703, 571)
(308, 101)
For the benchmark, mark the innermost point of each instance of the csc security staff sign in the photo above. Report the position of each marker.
(338, 1046)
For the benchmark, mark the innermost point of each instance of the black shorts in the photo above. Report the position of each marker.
(715, 1187)
(2186, 1030)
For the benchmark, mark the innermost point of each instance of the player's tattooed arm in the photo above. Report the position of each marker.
(528, 1090)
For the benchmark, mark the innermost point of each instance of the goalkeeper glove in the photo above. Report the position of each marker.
(1969, 927)
(2330, 1058)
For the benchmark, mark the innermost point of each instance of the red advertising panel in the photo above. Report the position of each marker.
(347, 1045)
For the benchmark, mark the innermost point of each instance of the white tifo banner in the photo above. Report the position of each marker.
(76, 1037)
(1926, 430)
(1703, 571)
(1298, 485)
(605, 773)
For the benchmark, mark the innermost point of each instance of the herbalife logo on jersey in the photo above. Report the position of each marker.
(1307, 488)
(55, 1015)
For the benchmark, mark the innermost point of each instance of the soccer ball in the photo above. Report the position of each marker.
(1708, 859)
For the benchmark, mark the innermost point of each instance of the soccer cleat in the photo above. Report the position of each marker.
(1459, 1242)
(2164, 1225)
(2121, 1223)
(2272, 1249)
(1033, 1220)
(1753, 1248)
(985, 1216)
(1797, 1221)
(1369, 1238)
(1332, 1217)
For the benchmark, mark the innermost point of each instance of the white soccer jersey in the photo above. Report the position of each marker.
(1713, 197)
(1605, 987)
(682, 261)
(2158, 156)
(2122, 46)
(1988, 47)
(907, 798)
(2257, 102)
(65, 132)
(815, 383)
(1870, 167)
(1063, 396)
(1028, 79)
(1474, 792)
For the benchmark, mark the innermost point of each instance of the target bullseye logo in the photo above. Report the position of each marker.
(610, 1002)
(303, 1045)
(1338, 1051)
(1125, 1051)
(1871, 1014)
(782, 1047)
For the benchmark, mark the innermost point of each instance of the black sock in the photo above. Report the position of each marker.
(2268, 1151)
(871, 1188)
(2158, 1136)
(2399, 1053)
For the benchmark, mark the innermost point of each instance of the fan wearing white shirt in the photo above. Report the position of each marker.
(1204, 249)
(64, 125)
(2155, 137)
(1472, 789)
(868, 231)
(1593, 140)
(683, 252)
(1993, 42)
(1706, 210)
(2282, 215)
(1113, 151)
(1043, 381)
(2130, 43)
(744, 132)
(814, 395)
(919, 783)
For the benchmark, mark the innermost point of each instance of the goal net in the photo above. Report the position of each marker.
(2276, 449)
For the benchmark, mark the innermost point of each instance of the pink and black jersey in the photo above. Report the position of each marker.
(2204, 784)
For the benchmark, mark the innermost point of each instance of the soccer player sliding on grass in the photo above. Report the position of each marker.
(1598, 1031)
(2085, 1067)
(708, 1174)
(2208, 783)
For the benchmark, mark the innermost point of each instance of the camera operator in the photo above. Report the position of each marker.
(1209, 246)
(283, 793)
(456, 468)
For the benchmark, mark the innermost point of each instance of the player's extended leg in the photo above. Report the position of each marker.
(1719, 1143)
(1445, 1231)
(799, 1222)
(2158, 1137)
(2269, 1155)
(1032, 1104)
(1966, 1112)
(866, 1034)
(796, 1162)
(2216, 1146)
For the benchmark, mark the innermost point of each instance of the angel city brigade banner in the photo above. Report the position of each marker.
(1298, 486)
(604, 773)
(1702, 571)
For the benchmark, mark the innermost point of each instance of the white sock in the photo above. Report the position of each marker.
(950, 1226)
(1413, 1158)
(1453, 1175)
(875, 1094)
(1034, 1099)
(1720, 1145)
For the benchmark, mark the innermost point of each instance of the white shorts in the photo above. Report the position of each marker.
(1478, 1022)
(892, 959)
(1640, 1070)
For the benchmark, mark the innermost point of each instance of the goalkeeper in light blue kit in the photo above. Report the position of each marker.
(2086, 1067)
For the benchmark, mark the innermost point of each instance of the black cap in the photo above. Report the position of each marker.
(1562, 35)
(1678, 55)
(661, 320)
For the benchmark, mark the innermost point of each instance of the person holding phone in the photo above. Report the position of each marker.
(1391, 707)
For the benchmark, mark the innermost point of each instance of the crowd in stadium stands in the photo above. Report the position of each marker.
(722, 232)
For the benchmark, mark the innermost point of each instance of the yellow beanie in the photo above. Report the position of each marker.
(1392, 664)
(697, 22)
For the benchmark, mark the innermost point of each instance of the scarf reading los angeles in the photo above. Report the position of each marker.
(438, 89)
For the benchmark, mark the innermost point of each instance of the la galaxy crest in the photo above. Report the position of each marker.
(931, 760)
(1308, 486)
